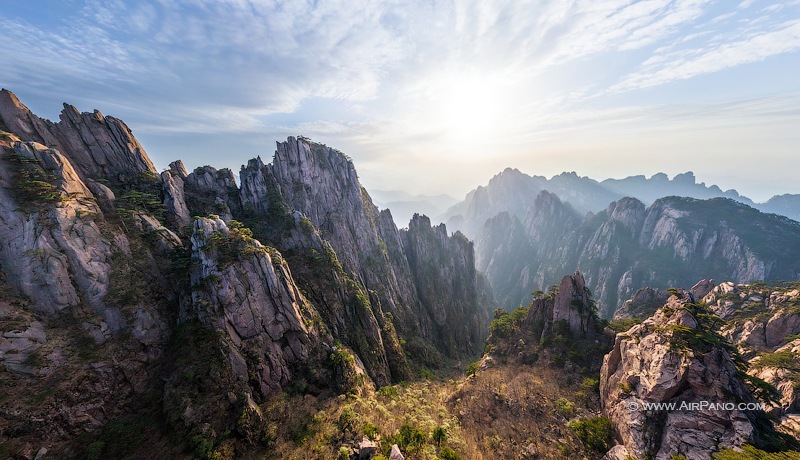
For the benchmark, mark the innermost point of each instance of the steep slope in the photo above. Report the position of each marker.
(455, 296)
(506, 252)
(98, 147)
(88, 295)
(702, 400)
(674, 242)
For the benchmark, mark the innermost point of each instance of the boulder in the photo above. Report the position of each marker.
(395, 454)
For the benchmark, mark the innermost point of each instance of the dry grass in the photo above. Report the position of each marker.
(508, 411)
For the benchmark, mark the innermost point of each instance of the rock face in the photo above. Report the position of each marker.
(758, 318)
(249, 296)
(674, 242)
(642, 304)
(673, 357)
(399, 270)
(571, 305)
(87, 296)
(98, 147)
(53, 251)
(453, 295)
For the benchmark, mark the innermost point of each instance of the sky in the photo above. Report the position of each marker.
(432, 96)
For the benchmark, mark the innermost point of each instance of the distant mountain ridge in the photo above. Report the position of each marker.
(513, 191)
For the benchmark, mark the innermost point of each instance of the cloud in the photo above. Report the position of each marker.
(685, 64)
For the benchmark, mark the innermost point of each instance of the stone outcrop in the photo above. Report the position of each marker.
(642, 304)
(672, 357)
(395, 453)
(571, 305)
(87, 292)
(449, 288)
(173, 181)
(758, 318)
(53, 251)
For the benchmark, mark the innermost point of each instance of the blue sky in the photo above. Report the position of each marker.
(432, 96)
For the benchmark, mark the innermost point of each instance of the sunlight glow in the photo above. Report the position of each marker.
(468, 108)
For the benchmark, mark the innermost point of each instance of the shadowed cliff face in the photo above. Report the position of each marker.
(674, 242)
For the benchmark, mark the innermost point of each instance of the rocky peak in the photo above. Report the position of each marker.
(548, 219)
(177, 169)
(642, 304)
(246, 291)
(570, 305)
(629, 212)
(452, 294)
(99, 147)
(686, 178)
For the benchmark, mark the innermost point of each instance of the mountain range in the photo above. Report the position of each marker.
(513, 191)
(279, 313)
(529, 230)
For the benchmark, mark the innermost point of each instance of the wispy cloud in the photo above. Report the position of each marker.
(685, 64)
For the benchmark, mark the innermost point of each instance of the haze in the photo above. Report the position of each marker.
(432, 96)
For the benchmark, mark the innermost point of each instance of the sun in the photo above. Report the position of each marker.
(467, 108)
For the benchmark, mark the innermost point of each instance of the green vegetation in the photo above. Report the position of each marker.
(348, 379)
(140, 202)
(33, 187)
(596, 434)
(505, 324)
(448, 454)
(621, 325)
(564, 407)
(236, 245)
(702, 338)
(414, 416)
(120, 438)
(782, 359)
(439, 435)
